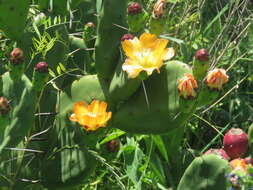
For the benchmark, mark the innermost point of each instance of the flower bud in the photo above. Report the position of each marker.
(127, 37)
(158, 9)
(113, 145)
(17, 56)
(187, 86)
(216, 78)
(202, 55)
(41, 67)
(4, 106)
(134, 8)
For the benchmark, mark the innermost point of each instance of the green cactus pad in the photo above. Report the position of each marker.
(13, 15)
(109, 33)
(163, 112)
(205, 172)
(21, 117)
(122, 87)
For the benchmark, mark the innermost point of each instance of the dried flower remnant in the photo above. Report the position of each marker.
(17, 56)
(92, 116)
(145, 54)
(158, 9)
(4, 106)
(187, 86)
(216, 78)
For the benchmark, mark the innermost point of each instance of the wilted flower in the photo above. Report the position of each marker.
(239, 164)
(187, 86)
(92, 116)
(145, 54)
(158, 9)
(17, 56)
(216, 78)
(4, 106)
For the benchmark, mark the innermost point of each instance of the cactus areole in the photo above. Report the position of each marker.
(235, 143)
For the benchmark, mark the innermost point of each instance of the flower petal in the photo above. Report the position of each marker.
(130, 47)
(132, 70)
(168, 54)
(148, 40)
(80, 108)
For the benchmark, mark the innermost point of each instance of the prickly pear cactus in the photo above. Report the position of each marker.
(205, 172)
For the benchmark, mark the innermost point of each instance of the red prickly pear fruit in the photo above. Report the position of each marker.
(134, 8)
(42, 67)
(235, 143)
(202, 55)
(220, 152)
(113, 145)
(127, 37)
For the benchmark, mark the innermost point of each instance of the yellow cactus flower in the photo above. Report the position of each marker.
(216, 78)
(145, 54)
(92, 116)
(187, 86)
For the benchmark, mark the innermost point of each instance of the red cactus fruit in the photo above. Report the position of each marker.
(219, 152)
(113, 145)
(235, 143)
(127, 37)
(202, 55)
(41, 67)
(134, 8)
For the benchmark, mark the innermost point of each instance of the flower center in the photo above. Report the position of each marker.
(91, 114)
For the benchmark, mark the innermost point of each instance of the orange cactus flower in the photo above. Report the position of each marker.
(216, 78)
(238, 164)
(187, 86)
(145, 54)
(92, 116)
